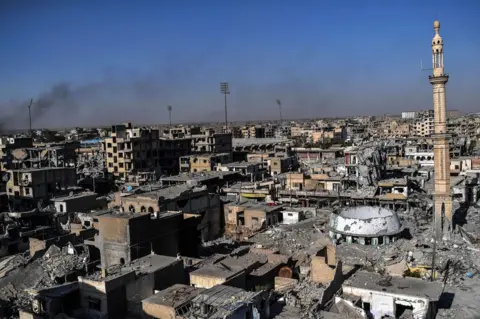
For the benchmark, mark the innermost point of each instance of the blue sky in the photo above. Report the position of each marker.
(128, 60)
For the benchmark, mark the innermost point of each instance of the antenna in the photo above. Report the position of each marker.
(424, 69)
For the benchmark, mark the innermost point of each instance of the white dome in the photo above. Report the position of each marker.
(366, 221)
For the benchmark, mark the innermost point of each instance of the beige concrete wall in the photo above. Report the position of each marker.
(200, 281)
(250, 215)
(320, 271)
(113, 229)
(139, 203)
(284, 284)
(158, 311)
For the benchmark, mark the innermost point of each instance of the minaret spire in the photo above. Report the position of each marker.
(443, 216)
(437, 51)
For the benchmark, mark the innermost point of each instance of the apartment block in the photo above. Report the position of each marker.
(7, 145)
(203, 162)
(27, 186)
(130, 151)
(211, 142)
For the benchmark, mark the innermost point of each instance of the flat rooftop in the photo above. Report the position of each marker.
(242, 142)
(249, 205)
(242, 164)
(209, 155)
(199, 177)
(27, 170)
(74, 196)
(171, 192)
(398, 285)
(174, 296)
(150, 263)
(230, 266)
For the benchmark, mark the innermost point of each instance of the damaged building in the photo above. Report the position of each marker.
(365, 225)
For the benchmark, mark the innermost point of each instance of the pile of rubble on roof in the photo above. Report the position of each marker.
(54, 267)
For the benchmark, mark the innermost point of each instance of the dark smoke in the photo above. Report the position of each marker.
(59, 96)
(143, 98)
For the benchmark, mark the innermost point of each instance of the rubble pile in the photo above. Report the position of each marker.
(47, 271)
(58, 263)
(287, 241)
(306, 297)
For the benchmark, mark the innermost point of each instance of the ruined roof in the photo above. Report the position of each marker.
(174, 296)
(224, 297)
(397, 285)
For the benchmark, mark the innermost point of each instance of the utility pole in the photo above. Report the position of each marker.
(169, 108)
(30, 117)
(225, 90)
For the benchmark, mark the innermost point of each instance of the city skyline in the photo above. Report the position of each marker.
(111, 63)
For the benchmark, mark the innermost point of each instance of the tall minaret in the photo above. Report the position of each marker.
(441, 144)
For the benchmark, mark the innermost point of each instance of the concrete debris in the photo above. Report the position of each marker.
(54, 267)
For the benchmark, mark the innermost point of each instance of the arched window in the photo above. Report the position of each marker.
(143, 209)
(122, 261)
(131, 209)
(150, 210)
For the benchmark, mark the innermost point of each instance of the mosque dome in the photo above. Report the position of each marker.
(366, 221)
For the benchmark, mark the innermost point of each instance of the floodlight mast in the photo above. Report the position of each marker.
(224, 89)
(279, 103)
(169, 108)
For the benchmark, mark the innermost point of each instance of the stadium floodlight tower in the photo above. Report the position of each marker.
(169, 108)
(224, 89)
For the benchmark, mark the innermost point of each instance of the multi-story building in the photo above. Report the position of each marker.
(182, 131)
(211, 142)
(283, 131)
(331, 134)
(7, 145)
(409, 115)
(26, 186)
(130, 151)
(203, 162)
(424, 123)
(270, 131)
(22, 156)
